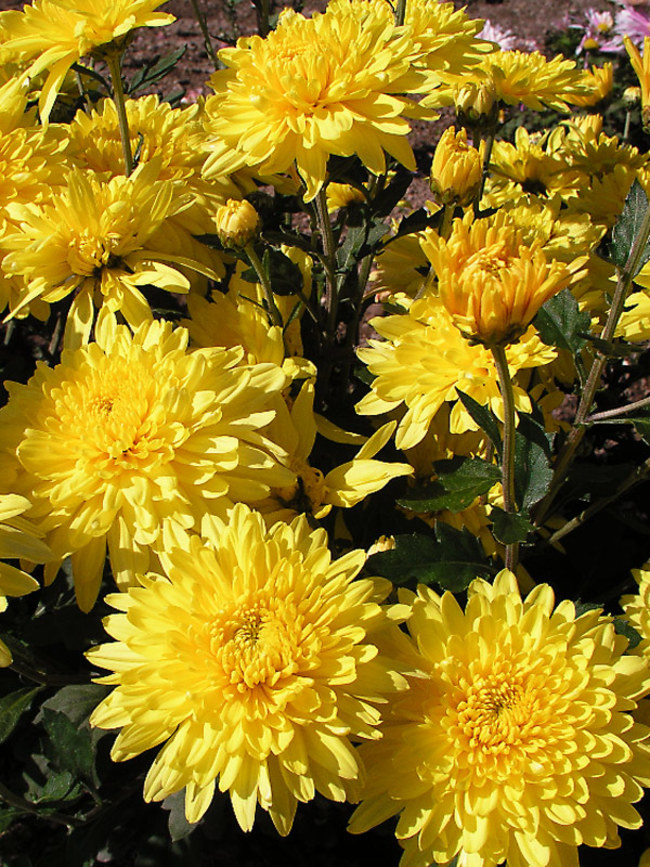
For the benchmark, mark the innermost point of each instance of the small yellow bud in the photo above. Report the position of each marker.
(631, 97)
(456, 169)
(342, 196)
(238, 223)
(476, 105)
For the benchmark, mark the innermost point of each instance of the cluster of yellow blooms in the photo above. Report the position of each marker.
(255, 659)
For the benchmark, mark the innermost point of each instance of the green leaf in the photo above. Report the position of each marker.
(627, 228)
(416, 222)
(56, 787)
(624, 627)
(560, 322)
(642, 427)
(483, 417)
(533, 472)
(509, 528)
(451, 560)
(12, 707)
(178, 825)
(460, 481)
(7, 815)
(76, 701)
(153, 69)
(71, 748)
(389, 197)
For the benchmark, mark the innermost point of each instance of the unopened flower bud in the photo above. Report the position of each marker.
(476, 105)
(631, 97)
(238, 223)
(456, 169)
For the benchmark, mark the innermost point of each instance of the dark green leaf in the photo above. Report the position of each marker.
(623, 627)
(483, 417)
(70, 748)
(509, 528)
(7, 815)
(360, 241)
(178, 825)
(583, 607)
(285, 275)
(12, 707)
(451, 560)
(416, 222)
(384, 203)
(153, 69)
(460, 481)
(627, 228)
(560, 322)
(76, 701)
(56, 787)
(614, 350)
(643, 429)
(533, 473)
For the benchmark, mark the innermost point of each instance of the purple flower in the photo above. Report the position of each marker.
(633, 23)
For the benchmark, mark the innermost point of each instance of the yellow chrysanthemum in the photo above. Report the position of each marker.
(424, 361)
(490, 280)
(516, 77)
(456, 170)
(641, 65)
(174, 137)
(599, 80)
(313, 492)
(58, 33)
(253, 661)
(516, 740)
(330, 84)
(132, 431)
(19, 540)
(104, 240)
(637, 608)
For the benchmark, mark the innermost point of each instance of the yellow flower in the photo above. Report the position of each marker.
(641, 65)
(516, 740)
(424, 361)
(19, 540)
(637, 608)
(253, 661)
(342, 196)
(313, 492)
(131, 432)
(516, 77)
(456, 169)
(58, 33)
(104, 240)
(491, 281)
(599, 80)
(238, 223)
(330, 84)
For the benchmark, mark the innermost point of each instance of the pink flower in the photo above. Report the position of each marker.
(633, 23)
(599, 33)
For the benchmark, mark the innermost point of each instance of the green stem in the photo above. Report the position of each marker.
(114, 62)
(19, 803)
(329, 261)
(508, 458)
(577, 432)
(626, 128)
(207, 41)
(400, 12)
(639, 474)
(262, 276)
(262, 8)
(617, 411)
(447, 219)
(487, 156)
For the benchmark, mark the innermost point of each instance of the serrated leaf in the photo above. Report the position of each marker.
(451, 560)
(56, 787)
(627, 228)
(178, 825)
(483, 417)
(154, 69)
(533, 472)
(71, 748)
(510, 527)
(12, 707)
(560, 322)
(460, 481)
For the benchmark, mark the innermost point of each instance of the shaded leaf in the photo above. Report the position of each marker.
(627, 228)
(460, 481)
(12, 707)
(483, 417)
(509, 528)
(178, 825)
(56, 787)
(533, 472)
(451, 560)
(71, 748)
(560, 322)
(153, 69)
(624, 627)
(76, 701)
(642, 427)
(384, 203)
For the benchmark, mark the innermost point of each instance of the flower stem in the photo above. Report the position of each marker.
(577, 432)
(400, 12)
(24, 806)
(618, 410)
(114, 62)
(508, 458)
(329, 260)
(207, 41)
(263, 277)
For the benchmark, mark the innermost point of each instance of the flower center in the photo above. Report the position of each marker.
(89, 255)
